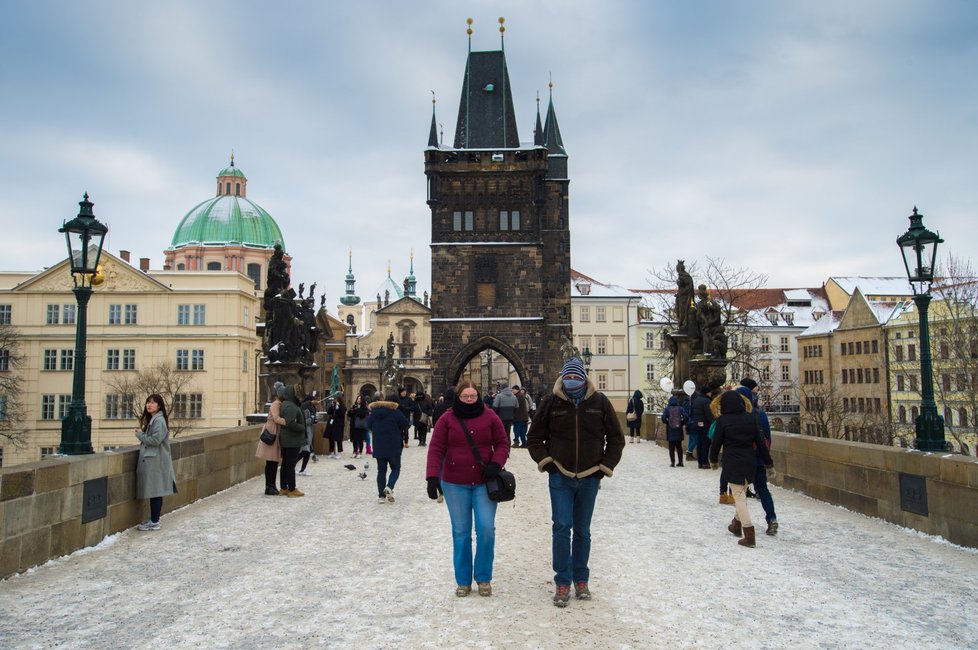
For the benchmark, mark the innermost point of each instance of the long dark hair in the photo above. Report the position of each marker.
(146, 417)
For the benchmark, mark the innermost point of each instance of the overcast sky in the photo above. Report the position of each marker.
(792, 137)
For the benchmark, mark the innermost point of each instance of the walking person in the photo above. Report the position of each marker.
(521, 417)
(336, 426)
(308, 407)
(358, 425)
(454, 471)
(633, 416)
(575, 437)
(423, 411)
(406, 405)
(387, 424)
(504, 404)
(444, 405)
(292, 435)
(700, 419)
(272, 453)
(674, 418)
(155, 478)
(737, 434)
(748, 387)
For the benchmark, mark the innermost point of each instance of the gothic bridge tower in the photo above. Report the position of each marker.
(500, 251)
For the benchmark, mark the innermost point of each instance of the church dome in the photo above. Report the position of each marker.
(228, 218)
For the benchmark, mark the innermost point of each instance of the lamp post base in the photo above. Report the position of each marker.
(76, 432)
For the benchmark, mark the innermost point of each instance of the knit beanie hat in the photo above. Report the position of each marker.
(749, 383)
(279, 389)
(574, 368)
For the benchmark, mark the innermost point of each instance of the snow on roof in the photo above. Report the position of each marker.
(827, 323)
(874, 286)
(583, 286)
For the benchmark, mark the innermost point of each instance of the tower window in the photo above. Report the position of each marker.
(213, 266)
(227, 187)
(254, 272)
(462, 221)
(509, 220)
(237, 189)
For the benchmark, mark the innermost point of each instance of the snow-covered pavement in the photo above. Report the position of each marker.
(337, 569)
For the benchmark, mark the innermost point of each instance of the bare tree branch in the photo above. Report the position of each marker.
(12, 413)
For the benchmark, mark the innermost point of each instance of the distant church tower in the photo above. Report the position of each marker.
(500, 252)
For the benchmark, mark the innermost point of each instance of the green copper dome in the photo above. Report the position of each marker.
(228, 220)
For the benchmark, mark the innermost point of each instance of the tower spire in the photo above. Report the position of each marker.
(350, 298)
(433, 133)
(412, 282)
(538, 129)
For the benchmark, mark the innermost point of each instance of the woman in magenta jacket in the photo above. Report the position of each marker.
(454, 471)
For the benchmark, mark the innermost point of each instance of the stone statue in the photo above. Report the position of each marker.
(684, 297)
(356, 352)
(709, 320)
(390, 346)
(405, 285)
(425, 298)
(387, 297)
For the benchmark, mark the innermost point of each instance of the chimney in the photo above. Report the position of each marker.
(124, 255)
(144, 264)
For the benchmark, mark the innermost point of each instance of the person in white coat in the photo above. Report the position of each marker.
(155, 478)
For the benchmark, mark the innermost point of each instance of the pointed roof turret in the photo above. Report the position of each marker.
(350, 299)
(433, 133)
(486, 118)
(557, 159)
(538, 139)
(411, 283)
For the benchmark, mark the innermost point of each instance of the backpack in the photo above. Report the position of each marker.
(675, 417)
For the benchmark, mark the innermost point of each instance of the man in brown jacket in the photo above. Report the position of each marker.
(575, 437)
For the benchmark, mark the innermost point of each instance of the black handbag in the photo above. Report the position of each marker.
(267, 437)
(501, 488)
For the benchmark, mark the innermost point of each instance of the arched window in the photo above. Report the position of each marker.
(948, 419)
(254, 272)
(213, 266)
(914, 413)
(237, 189)
(227, 187)
(181, 266)
(902, 417)
(962, 417)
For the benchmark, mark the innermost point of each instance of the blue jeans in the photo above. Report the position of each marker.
(694, 439)
(519, 432)
(572, 504)
(764, 494)
(463, 502)
(382, 480)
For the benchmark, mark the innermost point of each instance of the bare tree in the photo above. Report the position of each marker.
(162, 379)
(11, 407)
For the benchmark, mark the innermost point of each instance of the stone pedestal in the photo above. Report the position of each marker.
(686, 347)
(707, 370)
(290, 373)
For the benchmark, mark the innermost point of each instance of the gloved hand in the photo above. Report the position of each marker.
(491, 471)
(550, 467)
(714, 465)
(771, 473)
(434, 487)
(598, 475)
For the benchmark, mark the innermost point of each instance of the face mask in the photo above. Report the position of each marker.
(572, 385)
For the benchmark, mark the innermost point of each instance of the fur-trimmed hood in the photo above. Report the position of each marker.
(715, 404)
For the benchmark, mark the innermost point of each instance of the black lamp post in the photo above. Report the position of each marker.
(84, 235)
(587, 356)
(381, 364)
(919, 248)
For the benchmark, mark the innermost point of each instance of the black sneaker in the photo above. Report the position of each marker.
(270, 491)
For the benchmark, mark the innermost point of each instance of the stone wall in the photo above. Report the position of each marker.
(890, 483)
(41, 503)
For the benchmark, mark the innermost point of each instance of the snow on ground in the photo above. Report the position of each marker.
(337, 569)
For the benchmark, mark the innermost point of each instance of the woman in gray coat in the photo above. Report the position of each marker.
(154, 470)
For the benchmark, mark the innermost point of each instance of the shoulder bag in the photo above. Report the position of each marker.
(503, 486)
(631, 416)
(267, 437)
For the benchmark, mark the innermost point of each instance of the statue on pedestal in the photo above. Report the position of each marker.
(684, 297)
(709, 320)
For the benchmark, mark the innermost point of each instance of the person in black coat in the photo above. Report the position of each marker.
(358, 424)
(336, 426)
(636, 405)
(447, 399)
(405, 404)
(737, 433)
(701, 417)
(387, 423)
(423, 410)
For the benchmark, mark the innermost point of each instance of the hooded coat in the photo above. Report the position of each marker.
(386, 422)
(738, 434)
(579, 438)
(673, 433)
(292, 434)
(154, 469)
(272, 452)
(450, 456)
(636, 405)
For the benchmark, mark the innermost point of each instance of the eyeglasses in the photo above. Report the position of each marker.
(472, 395)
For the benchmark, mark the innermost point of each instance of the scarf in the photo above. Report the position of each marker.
(468, 411)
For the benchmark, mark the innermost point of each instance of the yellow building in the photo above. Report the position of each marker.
(198, 326)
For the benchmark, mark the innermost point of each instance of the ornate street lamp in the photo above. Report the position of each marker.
(84, 236)
(587, 356)
(381, 364)
(919, 248)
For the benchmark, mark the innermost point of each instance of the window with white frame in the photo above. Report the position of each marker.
(663, 340)
(4, 360)
(200, 314)
(785, 372)
(112, 357)
(115, 314)
(196, 359)
(649, 340)
(48, 451)
(50, 361)
(649, 371)
(6, 312)
(585, 314)
(183, 359)
(602, 381)
(52, 315)
(584, 343)
(784, 344)
(131, 314)
(509, 219)
(48, 405)
(766, 373)
(601, 345)
(765, 344)
(188, 405)
(67, 360)
(129, 359)
(63, 402)
(118, 406)
(599, 316)
(68, 314)
(183, 314)
(246, 317)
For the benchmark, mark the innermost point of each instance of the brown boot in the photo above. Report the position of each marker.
(735, 527)
(748, 537)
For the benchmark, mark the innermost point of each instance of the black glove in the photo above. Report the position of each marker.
(550, 467)
(434, 487)
(491, 471)
(598, 475)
